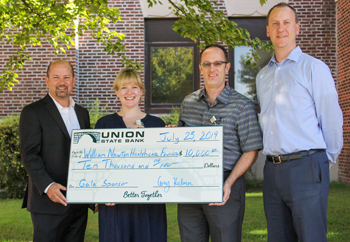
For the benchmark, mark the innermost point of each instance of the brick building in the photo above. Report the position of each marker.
(324, 28)
(343, 77)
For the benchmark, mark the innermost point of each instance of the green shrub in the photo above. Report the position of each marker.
(96, 112)
(12, 172)
(172, 118)
(13, 176)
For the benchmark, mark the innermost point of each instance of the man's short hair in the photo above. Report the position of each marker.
(215, 45)
(56, 61)
(282, 5)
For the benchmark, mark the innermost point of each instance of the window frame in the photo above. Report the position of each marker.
(158, 33)
(254, 26)
(257, 28)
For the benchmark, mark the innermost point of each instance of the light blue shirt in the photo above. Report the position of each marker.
(299, 106)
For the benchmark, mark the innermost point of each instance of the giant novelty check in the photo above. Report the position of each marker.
(148, 165)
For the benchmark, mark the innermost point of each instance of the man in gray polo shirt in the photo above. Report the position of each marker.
(218, 104)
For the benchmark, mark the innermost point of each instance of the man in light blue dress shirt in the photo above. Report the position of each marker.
(302, 133)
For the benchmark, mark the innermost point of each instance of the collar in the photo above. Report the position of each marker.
(223, 96)
(293, 55)
(59, 106)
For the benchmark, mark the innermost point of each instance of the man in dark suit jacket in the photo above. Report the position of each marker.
(45, 129)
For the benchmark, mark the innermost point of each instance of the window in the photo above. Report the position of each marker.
(242, 77)
(171, 64)
(245, 75)
(171, 74)
(171, 70)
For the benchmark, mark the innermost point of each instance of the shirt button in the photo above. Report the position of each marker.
(271, 132)
(276, 84)
(271, 116)
(279, 68)
(273, 99)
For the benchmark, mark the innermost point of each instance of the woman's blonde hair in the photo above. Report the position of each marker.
(127, 76)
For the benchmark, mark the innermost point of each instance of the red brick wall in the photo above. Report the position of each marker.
(318, 30)
(220, 7)
(32, 85)
(343, 58)
(97, 70)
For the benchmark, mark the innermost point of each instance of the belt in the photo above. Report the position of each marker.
(276, 159)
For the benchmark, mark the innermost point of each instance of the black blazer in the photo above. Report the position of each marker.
(45, 147)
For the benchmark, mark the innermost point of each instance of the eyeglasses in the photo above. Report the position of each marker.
(216, 64)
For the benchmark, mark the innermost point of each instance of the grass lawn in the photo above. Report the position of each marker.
(15, 223)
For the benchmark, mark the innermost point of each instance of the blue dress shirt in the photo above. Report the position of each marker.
(299, 106)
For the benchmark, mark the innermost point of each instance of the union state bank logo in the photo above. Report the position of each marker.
(95, 136)
(109, 136)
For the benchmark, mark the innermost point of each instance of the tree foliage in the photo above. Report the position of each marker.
(247, 74)
(199, 21)
(172, 74)
(26, 23)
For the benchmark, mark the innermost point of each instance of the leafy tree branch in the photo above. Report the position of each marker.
(27, 23)
(199, 21)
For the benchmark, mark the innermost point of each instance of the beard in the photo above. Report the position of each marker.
(62, 93)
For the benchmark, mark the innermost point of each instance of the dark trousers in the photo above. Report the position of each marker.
(295, 199)
(63, 227)
(224, 222)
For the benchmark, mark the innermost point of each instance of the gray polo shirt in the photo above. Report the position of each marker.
(232, 110)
